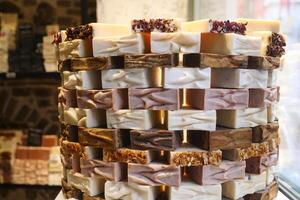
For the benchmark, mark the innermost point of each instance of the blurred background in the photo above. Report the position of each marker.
(29, 81)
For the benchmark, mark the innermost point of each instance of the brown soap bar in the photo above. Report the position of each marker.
(97, 63)
(222, 138)
(267, 194)
(239, 154)
(128, 156)
(114, 99)
(113, 171)
(154, 174)
(262, 97)
(151, 60)
(69, 132)
(155, 139)
(257, 165)
(69, 191)
(71, 147)
(87, 197)
(67, 97)
(263, 62)
(214, 60)
(64, 65)
(211, 174)
(215, 99)
(264, 133)
(153, 99)
(103, 138)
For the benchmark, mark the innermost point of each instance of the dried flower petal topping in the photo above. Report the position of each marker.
(57, 38)
(79, 32)
(275, 49)
(227, 27)
(159, 25)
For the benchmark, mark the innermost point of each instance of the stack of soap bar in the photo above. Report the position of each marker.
(164, 109)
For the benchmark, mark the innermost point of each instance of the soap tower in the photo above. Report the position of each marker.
(163, 109)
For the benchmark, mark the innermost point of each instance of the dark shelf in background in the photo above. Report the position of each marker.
(19, 75)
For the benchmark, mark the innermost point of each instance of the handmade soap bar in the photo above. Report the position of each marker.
(128, 156)
(99, 137)
(109, 30)
(69, 191)
(130, 119)
(129, 191)
(272, 113)
(262, 97)
(221, 139)
(129, 78)
(256, 165)
(155, 139)
(272, 78)
(113, 171)
(90, 185)
(239, 78)
(263, 62)
(260, 25)
(249, 117)
(74, 48)
(191, 120)
(67, 97)
(186, 77)
(87, 197)
(151, 60)
(239, 188)
(210, 174)
(154, 174)
(88, 80)
(215, 99)
(230, 44)
(264, 133)
(238, 154)
(191, 156)
(191, 190)
(153, 99)
(196, 26)
(267, 194)
(70, 80)
(95, 63)
(114, 99)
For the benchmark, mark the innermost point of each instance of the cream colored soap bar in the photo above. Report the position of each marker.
(179, 42)
(191, 120)
(249, 117)
(272, 78)
(177, 77)
(82, 80)
(265, 35)
(91, 185)
(239, 188)
(260, 25)
(70, 80)
(110, 30)
(128, 78)
(108, 46)
(194, 191)
(239, 78)
(130, 119)
(230, 44)
(201, 25)
(272, 113)
(129, 191)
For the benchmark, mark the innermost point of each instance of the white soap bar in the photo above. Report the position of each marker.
(191, 120)
(260, 25)
(178, 77)
(271, 174)
(179, 42)
(239, 188)
(272, 78)
(91, 185)
(110, 30)
(75, 48)
(70, 80)
(130, 119)
(272, 113)
(130, 44)
(193, 191)
(127, 78)
(88, 80)
(230, 44)
(265, 36)
(239, 78)
(129, 191)
(202, 25)
(249, 117)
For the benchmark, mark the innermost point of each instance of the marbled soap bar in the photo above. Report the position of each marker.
(67, 98)
(130, 78)
(256, 165)
(239, 188)
(155, 139)
(238, 154)
(130, 119)
(249, 117)
(269, 193)
(222, 138)
(128, 156)
(150, 60)
(191, 156)
(129, 191)
(215, 99)
(88, 197)
(69, 191)
(263, 62)
(69, 132)
(211, 174)
(186, 77)
(113, 171)
(191, 190)
(262, 97)
(153, 99)
(154, 174)
(95, 63)
(70, 80)
(103, 138)
(264, 133)
(114, 99)
(191, 120)
(239, 78)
